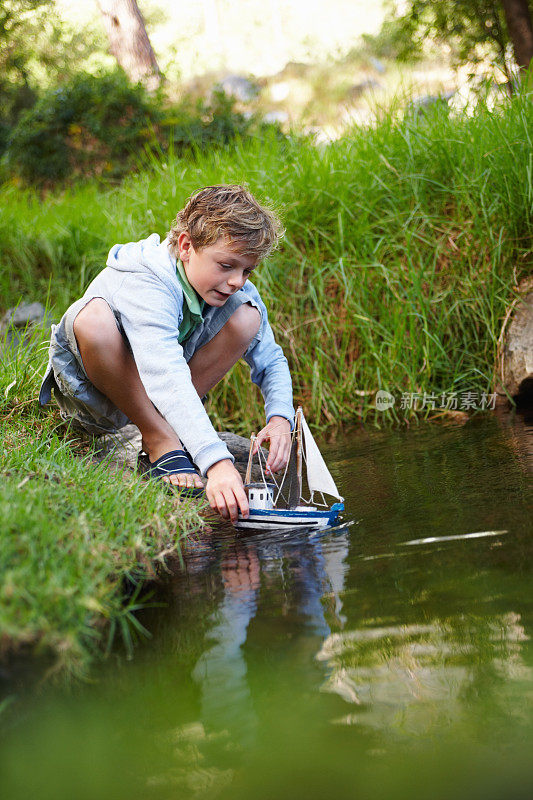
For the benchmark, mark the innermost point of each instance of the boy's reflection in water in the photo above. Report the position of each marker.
(221, 670)
(286, 593)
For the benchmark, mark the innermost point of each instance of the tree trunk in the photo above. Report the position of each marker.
(129, 42)
(518, 18)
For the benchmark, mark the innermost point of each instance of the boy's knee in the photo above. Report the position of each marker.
(245, 322)
(95, 323)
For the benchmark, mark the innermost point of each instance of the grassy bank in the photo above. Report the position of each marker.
(69, 541)
(403, 248)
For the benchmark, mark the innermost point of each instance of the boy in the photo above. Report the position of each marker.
(160, 326)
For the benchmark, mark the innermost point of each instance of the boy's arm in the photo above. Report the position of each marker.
(269, 368)
(149, 313)
(270, 371)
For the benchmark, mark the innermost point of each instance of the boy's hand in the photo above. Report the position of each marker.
(278, 431)
(225, 491)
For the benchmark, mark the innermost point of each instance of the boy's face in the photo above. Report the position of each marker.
(215, 272)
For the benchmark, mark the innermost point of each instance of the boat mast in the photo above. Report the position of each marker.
(298, 425)
(248, 476)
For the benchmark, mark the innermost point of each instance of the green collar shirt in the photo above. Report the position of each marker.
(192, 305)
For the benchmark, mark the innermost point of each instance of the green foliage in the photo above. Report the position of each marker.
(14, 52)
(472, 29)
(200, 124)
(14, 98)
(396, 39)
(101, 124)
(16, 93)
(37, 49)
(91, 125)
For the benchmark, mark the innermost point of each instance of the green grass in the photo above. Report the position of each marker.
(70, 543)
(403, 250)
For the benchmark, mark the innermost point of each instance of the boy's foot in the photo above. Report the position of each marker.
(175, 468)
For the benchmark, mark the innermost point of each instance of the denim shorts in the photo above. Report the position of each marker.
(79, 400)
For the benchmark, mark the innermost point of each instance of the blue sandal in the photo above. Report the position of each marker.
(173, 463)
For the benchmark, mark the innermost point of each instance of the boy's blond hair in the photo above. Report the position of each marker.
(230, 212)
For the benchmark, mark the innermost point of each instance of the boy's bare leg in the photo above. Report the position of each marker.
(111, 368)
(209, 364)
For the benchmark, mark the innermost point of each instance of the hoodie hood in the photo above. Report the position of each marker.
(147, 255)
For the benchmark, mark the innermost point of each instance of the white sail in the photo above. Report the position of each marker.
(318, 475)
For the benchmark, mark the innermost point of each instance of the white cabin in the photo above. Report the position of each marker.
(261, 496)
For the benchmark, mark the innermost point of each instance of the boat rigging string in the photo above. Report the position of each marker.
(280, 486)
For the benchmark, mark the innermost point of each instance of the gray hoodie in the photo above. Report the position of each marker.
(140, 283)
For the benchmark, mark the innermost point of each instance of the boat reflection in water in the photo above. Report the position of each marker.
(300, 573)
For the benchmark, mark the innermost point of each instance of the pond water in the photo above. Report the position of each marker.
(387, 658)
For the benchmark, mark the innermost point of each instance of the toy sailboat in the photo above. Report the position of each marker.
(281, 507)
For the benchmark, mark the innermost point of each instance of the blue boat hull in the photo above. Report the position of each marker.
(278, 519)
